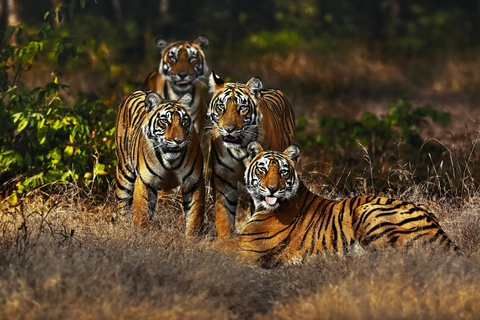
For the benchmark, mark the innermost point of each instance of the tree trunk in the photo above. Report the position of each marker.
(117, 7)
(9, 17)
(13, 19)
(3, 17)
(163, 6)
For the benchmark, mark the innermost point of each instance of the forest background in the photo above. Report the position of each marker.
(395, 81)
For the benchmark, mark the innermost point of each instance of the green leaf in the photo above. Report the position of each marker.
(41, 123)
(68, 152)
(22, 125)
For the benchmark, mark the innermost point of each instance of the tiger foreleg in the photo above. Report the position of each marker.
(194, 208)
(224, 221)
(226, 201)
(225, 208)
(123, 193)
(144, 203)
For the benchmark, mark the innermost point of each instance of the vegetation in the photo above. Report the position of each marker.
(58, 125)
(61, 257)
(386, 99)
(42, 139)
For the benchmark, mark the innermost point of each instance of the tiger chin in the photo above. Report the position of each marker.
(158, 149)
(239, 114)
(291, 223)
(182, 66)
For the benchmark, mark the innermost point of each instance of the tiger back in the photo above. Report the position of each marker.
(291, 223)
(182, 66)
(241, 113)
(158, 149)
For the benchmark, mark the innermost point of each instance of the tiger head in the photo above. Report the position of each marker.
(167, 124)
(183, 63)
(271, 178)
(233, 110)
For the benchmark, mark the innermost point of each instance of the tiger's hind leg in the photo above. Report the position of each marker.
(398, 224)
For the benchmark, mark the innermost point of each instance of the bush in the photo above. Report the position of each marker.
(384, 141)
(40, 133)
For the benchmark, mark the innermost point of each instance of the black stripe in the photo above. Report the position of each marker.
(234, 187)
(152, 189)
(192, 167)
(151, 170)
(219, 161)
(194, 187)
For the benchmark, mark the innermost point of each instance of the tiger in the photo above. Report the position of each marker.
(181, 67)
(291, 223)
(158, 149)
(241, 113)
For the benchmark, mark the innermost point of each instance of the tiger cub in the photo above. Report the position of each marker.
(182, 65)
(241, 113)
(158, 149)
(291, 223)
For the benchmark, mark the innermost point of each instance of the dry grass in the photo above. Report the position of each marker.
(61, 257)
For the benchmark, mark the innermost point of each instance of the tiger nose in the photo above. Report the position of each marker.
(182, 75)
(272, 189)
(178, 141)
(229, 129)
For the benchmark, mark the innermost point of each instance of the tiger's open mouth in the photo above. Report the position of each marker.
(173, 150)
(182, 83)
(271, 200)
(232, 139)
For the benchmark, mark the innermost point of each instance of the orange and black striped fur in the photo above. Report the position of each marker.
(158, 149)
(182, 65)
(291, 223)
(241, 113)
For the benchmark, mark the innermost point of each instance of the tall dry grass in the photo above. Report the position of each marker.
(62, 257)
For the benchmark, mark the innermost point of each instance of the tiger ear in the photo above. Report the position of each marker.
(186, 99)
(255, 85)
(253, 149)
(161, 44)
(152, 101)
(202, 42)
(292, 152)
(216, 83)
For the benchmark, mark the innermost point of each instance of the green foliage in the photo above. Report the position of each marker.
(40, 134)
(379, 135)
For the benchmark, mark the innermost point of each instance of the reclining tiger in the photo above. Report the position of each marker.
(181, 67)
(291, 223)
(157, 150)
(241, 113)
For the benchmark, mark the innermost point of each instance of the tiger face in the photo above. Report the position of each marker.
(271, 178)
(233, 110)
(167, 125)
(183, 63)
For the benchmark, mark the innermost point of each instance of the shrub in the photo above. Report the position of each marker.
(41, 134)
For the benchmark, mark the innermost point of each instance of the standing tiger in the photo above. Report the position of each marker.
(158, 149)
(290, 222)
(182, 65)
(241, 113)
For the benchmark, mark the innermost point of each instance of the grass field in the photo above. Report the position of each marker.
(61, 257)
